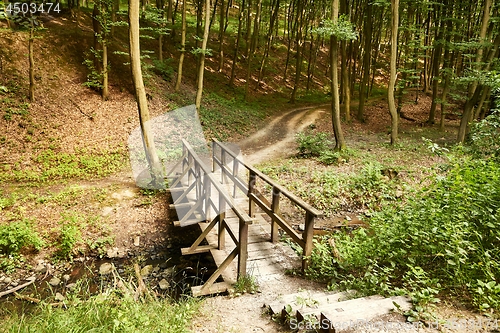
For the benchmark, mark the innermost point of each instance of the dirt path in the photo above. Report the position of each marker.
(277, 138)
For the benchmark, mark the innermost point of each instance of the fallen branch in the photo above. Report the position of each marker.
(13, 290)
(36, 300)
(141, 289)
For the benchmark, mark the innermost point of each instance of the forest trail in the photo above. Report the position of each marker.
(277, 138)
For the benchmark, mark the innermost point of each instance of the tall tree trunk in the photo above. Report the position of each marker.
(346, 85)
(201, 69)
(392, 78)
(237, 46)
(142, 102)
(473, 91)
(363, 88)
(105, 91)
(183, 47)
(337, 126)
(31, 64)
(221, 35)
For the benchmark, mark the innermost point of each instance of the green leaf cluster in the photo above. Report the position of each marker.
(343, 29)
(445, 238)
(18, 235)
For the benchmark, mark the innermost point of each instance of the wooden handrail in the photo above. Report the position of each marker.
(242, 215)
(295, 199)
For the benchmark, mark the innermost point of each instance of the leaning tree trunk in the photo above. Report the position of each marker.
(32, 64)
(392, 79)
(183, 48)
(337, 128)
(155, 169)
(202, 56)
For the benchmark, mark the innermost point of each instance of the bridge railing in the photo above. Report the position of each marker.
(210, 194)
(231, 167)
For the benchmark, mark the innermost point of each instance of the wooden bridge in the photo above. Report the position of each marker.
(234, 199)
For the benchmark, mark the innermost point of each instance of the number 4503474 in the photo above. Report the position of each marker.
(23, 8)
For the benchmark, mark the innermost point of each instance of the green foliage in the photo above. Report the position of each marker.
(484, 138)
(343, 29)
(20, 109)
(312, 145)
(69, 235)
(446, 237)
(246, 284)
(52, 165)
(164, 69)
(18, 235)
(319, 145)
(114, 310)
(94, 77)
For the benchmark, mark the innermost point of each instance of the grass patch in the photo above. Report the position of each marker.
(114, 310)
(52, 165)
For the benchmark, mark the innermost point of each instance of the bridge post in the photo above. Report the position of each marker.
(243, 249)
(222, 221)
(207, 189)
(251, 185)
(275, 208)
(307, 236)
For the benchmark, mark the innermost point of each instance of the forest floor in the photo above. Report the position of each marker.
(116, 219)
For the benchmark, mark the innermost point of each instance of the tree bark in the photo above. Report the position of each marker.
(183, 48)
(32, 64)
(201, 69)
(393, 74)
(155, 169)
(337, 127)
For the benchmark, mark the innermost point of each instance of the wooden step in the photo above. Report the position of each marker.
(187, 222)
(358, 312)
(307, 299)
(216, 288)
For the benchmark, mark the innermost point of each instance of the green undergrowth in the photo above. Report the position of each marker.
(370, 186)
(113, 310)
(223, 117)
(50, 165)
(444, 240)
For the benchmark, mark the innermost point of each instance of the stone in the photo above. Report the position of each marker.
(66, 277)
(107, 211)
(169, 271)
(105, 268)
(302, 227)
(163, 284)
(71, 286)
(146, 270)
(40, 268)
(112, 253)
(59, 297)
(136, 240)
(7, 280)
(55, 281)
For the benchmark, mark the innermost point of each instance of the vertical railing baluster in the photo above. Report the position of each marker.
(251, 185)
(275, 208)
(222, 222)
(307, 236)
(243, 248)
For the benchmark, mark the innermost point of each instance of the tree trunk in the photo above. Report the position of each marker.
(221, 35)
(237, 46)
(363, 91)
(392, 78)
(32, 64)
(155, 169)
(201, 69)
(105, 92)
(337, 127)
(183, 48)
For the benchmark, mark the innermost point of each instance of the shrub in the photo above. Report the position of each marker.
(484, 139)
(446, 237)
(312, 145)
(18, 235)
